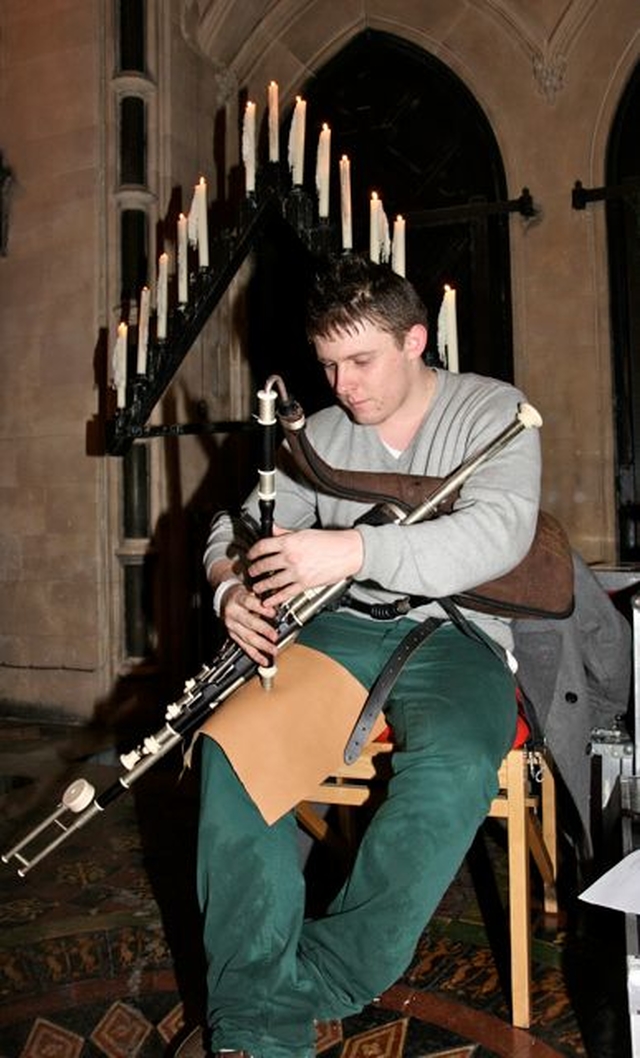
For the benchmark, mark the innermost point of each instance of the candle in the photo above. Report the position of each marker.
(198, 223)
(161, 296)
(374, 227)
(143, 331)
(378, 231)
(322, 171)
(345, 203)
(249, 147)
(274, 129)
(183, 265)
(296, 141)
(448, 330)
(119, 365)
(398, 246)
(203, 224)
(383, 235)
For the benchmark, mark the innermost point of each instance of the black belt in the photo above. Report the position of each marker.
(383, 611)
(382, 687)
(383, 684)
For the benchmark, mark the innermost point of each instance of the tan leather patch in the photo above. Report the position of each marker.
(283, 742)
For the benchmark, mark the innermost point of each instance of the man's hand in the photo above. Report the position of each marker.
(248, 621)
(287, 563)
(280, 567)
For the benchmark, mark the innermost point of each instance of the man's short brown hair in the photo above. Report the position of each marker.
(350, 290)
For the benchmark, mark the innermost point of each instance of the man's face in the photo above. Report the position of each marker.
(370, 374)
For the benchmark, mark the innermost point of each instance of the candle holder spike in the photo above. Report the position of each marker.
(323, 238)
(298, 211)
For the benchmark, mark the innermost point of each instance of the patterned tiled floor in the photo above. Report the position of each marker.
(99, 944)
(122, 1032)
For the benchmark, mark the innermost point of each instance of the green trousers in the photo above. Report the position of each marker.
(271, 972)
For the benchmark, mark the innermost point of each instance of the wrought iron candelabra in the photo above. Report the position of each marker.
(206, 287)
(271, 200)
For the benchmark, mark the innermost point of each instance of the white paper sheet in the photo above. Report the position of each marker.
(619, 888)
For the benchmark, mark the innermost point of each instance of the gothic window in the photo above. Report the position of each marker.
(131, 36)
(133, 253)
(135, 499)
(419, 138)
(623, 228)
(133, 141)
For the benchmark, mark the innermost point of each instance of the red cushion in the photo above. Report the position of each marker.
(523, 731)
(522, 735)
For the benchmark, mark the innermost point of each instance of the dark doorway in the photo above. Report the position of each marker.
(623, 228)
(415, 134)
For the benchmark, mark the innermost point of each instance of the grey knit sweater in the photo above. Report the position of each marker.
(486, 535)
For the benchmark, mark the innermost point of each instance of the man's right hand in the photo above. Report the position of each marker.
(248, 621)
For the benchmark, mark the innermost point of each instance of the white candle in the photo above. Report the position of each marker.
(379, 243)
(119, 365)
(161, 296)
(249, 147)
(383, 234)
(322, 170)
(203, 224)
(452, 330)
(296, 141)
(183, 262)
(198, 222)
(374, 227)
(274, 127)
(398, 246)
(143, 331)
(448, 330)
(345, 203)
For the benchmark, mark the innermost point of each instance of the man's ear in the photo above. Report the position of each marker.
(415, 341)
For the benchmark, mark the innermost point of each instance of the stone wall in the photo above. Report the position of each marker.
(52, 585)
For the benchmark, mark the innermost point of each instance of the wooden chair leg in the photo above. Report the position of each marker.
(317, 828)
(550, 834)
(519, 891)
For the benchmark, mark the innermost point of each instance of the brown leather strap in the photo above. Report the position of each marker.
(409, 490)
(539, 586)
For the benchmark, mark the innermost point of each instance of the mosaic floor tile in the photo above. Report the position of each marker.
(121, 1032)
(47, 1038)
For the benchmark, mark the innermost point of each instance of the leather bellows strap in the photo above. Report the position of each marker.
(541, 585)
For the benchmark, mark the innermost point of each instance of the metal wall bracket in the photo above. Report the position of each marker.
(580, 195)
(476, 210)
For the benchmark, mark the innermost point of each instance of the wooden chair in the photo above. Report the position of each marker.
(525, 801)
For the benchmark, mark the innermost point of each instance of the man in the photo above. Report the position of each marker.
(452, 709)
